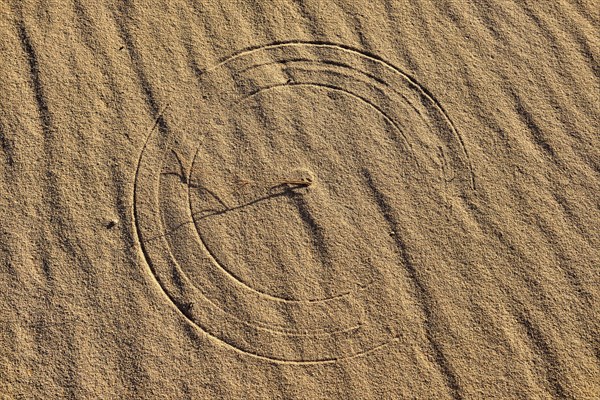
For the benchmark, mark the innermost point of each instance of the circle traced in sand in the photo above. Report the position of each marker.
(269, 224)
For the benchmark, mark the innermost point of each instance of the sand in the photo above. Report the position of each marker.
(299, 199)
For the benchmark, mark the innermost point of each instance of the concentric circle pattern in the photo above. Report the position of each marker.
(269, 226)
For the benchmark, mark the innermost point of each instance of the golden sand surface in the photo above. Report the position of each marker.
(299, 199)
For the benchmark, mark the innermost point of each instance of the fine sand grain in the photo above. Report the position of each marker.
(299, 199)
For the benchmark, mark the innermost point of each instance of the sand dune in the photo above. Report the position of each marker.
(300, 199)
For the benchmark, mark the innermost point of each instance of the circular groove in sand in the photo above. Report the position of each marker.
(282, 329)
